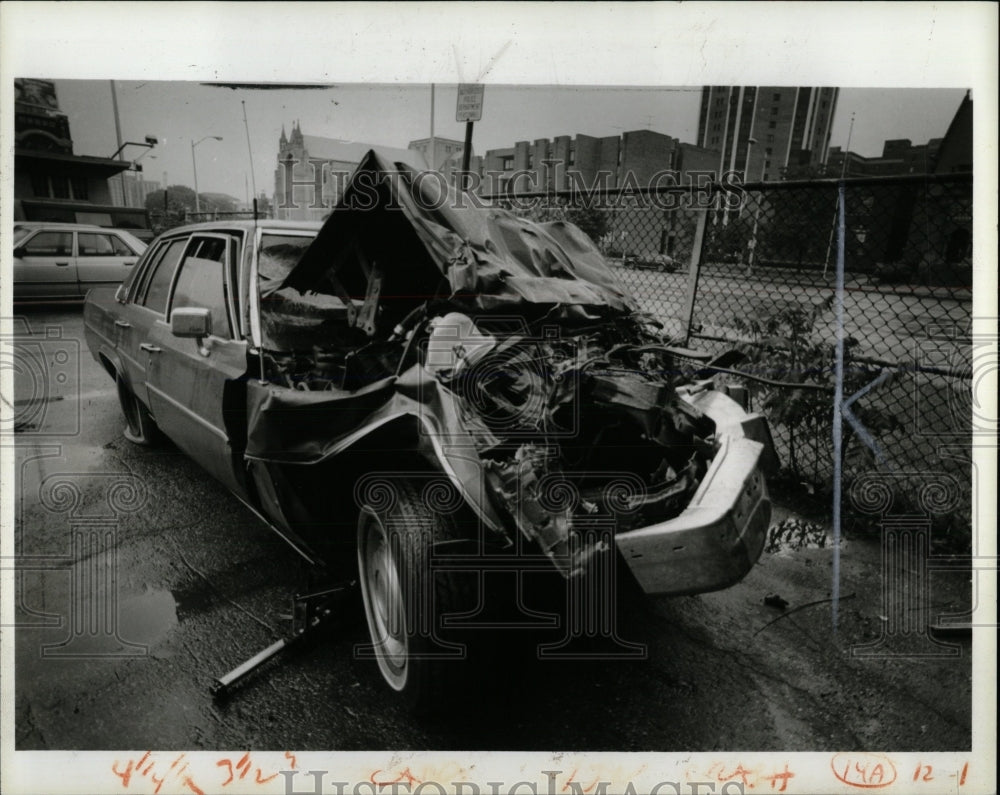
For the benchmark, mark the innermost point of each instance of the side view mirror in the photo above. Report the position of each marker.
(193, 322)
(18, 252)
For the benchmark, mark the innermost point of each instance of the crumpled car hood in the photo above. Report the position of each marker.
(489, 257)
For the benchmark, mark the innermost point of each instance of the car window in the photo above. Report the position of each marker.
(50, 244)
(201, 282)
(90, 244)
(162, 271)
(122, 248)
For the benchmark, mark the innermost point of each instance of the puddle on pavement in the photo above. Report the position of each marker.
(142, 622)
(148, 617)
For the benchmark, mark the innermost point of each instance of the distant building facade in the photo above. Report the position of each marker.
(439, 153)
(312, 171)
(899, 156)
(633, 159)
(51, 183)
(136, 189)
(767, 132)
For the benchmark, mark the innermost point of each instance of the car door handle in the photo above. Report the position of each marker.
(132, 262)
(123, 324)
(148, 347)
(62, 264)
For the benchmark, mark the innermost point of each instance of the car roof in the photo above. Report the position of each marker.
(263, 223)
(55, 225)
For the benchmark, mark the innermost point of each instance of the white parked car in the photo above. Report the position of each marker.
(56, 261)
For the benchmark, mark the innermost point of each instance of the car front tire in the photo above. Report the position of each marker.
(405, 596)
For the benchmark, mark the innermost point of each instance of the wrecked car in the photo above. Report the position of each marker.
(425, 390)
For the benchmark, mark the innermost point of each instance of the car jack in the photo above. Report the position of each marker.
(310, 612)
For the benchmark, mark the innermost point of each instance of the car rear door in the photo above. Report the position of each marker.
(193, 384)
(47, 265)
(103, 259)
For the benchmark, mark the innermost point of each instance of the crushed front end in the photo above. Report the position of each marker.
(590, 436)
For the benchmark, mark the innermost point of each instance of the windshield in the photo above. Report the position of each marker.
(278, 255)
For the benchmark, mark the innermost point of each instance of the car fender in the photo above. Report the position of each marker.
(417, 432)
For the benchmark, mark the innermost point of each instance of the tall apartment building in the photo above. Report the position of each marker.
(790, 127)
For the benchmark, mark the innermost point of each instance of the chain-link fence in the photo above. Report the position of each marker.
(755, 267)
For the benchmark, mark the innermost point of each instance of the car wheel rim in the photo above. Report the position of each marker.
(383, 598)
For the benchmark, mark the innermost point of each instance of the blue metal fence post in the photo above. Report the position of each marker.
(838, 404)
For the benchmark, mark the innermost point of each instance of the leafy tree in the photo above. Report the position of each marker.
(783, 345)
(179, 197)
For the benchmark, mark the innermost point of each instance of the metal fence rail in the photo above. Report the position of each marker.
(754, 267)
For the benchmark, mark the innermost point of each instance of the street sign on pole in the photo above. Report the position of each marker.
(470, 102)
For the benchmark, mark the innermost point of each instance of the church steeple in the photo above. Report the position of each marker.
(283, 141)
(296, 134)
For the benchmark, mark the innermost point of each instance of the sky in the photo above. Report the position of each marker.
(177, 113)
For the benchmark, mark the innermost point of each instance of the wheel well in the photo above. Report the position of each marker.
(107, 364)
(321, 501)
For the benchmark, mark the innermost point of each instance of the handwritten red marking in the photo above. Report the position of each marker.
(259, 780)
(406, 774)
(740, 772)
(125, 775)
(926, 770)
(863, 769)
(783, 777)
(226, 763)
(242, 767)
(149, 767)
(961, 778)
(187, 782)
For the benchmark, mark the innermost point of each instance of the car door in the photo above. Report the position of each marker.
(145, 305)
(45, 265)
(103, 259)
(193, 383)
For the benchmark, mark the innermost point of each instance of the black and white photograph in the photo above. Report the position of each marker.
(498, 398)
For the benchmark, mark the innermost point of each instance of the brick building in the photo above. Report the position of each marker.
(635, 159)
(565, 162)
(51, 183)
(899, 156)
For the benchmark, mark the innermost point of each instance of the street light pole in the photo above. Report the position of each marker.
(194, 168)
